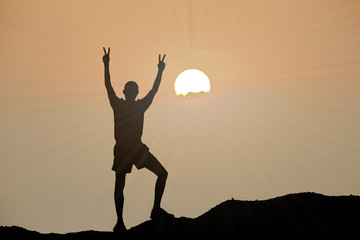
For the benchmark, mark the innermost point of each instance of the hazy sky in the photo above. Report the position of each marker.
(282, 115)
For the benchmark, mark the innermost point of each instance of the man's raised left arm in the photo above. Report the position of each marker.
(155, 88)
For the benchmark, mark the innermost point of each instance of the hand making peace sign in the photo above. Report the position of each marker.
(161, 64)
(106, 57)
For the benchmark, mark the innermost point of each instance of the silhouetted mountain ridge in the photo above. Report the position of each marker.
(289, 215)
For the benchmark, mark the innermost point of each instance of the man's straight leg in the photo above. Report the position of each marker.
(119, 200)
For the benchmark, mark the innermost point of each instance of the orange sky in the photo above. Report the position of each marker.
(282, 115)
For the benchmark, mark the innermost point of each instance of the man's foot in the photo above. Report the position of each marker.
(159, 213)
(119, 228)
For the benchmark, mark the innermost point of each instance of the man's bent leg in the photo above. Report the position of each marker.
(119, 201)
(155, 166)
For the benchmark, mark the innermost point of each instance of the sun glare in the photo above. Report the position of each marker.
(192, 81)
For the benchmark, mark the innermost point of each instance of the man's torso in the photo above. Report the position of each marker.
(128, 122)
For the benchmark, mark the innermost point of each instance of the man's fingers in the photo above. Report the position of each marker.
(107, 52)
(163, 57)
(159, 58)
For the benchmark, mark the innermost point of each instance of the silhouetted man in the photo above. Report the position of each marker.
(129, 149)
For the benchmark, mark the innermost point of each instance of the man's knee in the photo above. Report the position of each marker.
(120, 181)
(163, 174)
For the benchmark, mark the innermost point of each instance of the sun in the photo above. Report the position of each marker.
(191, 81)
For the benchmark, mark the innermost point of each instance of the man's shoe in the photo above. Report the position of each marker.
(160, 213)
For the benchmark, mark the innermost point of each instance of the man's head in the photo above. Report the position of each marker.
(131, 90)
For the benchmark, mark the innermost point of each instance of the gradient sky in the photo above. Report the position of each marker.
(282, 115)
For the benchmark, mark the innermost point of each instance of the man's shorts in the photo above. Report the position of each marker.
(136, 154)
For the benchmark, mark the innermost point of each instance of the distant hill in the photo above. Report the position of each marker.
(290, 215)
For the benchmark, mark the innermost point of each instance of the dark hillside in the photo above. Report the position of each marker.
(290, 215)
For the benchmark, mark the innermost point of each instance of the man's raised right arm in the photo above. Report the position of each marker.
(109, 88)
